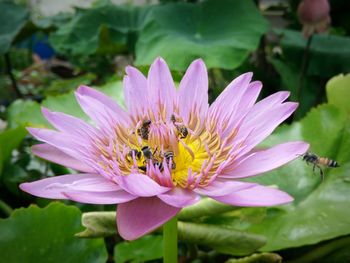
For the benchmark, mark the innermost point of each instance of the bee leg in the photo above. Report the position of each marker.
(321, 173)
(313, 168)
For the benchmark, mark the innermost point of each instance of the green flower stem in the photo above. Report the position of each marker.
(170, 241)
(5, 208)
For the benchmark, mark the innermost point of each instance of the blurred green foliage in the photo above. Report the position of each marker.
(47, 235)
(12, 19)
(143, 249)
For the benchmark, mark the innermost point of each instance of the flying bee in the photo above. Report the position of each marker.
(144, 130)
(133, 152)
(319, 161)
(169, 155)
(181, 129)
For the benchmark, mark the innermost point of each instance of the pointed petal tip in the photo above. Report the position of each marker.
(23, 187)
(286, 93)
(44, 110)
(48, 114)
(199, 64)
(33, 131)
(248, 74)
(199, 61)
(82, 89)
(159, 62)
(302, 146)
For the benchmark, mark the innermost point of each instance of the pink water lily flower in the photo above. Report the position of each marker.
(167, 149)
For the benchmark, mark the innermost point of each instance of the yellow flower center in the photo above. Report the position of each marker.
(186, 155)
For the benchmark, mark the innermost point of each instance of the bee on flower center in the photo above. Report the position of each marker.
(181, 129)
(169, 157)
(147, 153)
(133, 152)
(143, 131)
(319, 161)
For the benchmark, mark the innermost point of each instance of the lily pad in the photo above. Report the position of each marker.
(141, 250)
(223, 33)
(105, 28)
(338, 91)
(47, 235)
(10, 140)
(12, 19)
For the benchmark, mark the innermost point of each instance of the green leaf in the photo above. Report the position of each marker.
(223, 239)
(338, 91)
(329, 54)
(141, 250)
(320, 210)
(61, 86)
(223, 33)
(27, 113)
(12, 19)
(47, 235)
(104, 28)
(336, 250)
(258, 258)
(10, 140)
(98, 224)
(102, 224)
(204, 207)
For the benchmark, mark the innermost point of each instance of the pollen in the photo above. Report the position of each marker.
(167, 150)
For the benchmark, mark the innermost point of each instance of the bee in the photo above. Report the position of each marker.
(131, 153)
(148, 155)
(169, 155)
(319, 161)
(181, 129)
(144, 130)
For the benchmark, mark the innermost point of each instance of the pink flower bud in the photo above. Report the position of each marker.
(314, 15)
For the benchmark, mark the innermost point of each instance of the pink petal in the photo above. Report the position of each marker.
(259, 129)
(101, 115)
(256, 196)
(179, 197)
(53, 187)
(69, 124)
(266, 160)
(102, 98)
(71, 145)
(245, 104)
(135, 91)
(143, 215)
(220, 187)
(247, 101)
(225, 107)
(161, 87)
(102, 198)
(193, 91)
(269, 102)
(51, 153)
(140, 185)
